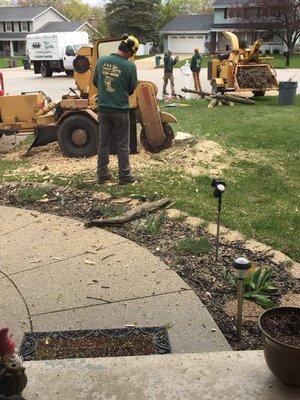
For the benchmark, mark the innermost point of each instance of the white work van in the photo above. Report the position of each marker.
(54, 52)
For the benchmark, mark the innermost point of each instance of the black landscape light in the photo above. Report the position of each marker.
(219, 189)
(241, 266)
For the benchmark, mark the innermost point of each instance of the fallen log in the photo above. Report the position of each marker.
(218, 96)
(130, 215)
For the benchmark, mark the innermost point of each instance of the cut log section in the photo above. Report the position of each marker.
(131, 215)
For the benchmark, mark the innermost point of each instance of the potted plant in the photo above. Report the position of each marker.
(280, 327)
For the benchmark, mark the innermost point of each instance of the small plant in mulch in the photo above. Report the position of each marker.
(193, 246)
(258, 285)
(153, 224)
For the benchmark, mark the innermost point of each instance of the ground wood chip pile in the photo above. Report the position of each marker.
(255, 78)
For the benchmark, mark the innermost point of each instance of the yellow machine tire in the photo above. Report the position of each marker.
(86, 130)
(168, 142)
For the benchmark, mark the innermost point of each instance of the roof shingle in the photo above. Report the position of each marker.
(189, 23)
(51, 27)
(20, 13)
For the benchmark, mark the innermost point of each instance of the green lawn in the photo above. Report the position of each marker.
(262, 142)
(4, 62)
(277, 62)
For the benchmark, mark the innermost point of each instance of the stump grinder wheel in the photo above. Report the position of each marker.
(168, 141)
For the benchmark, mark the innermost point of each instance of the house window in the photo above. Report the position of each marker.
(1, 46)
(191, 37)
(267, 36)
(24, 26)
(8, 26)
(174, 37)
(182, 37)
(225, 13)
(16, 47)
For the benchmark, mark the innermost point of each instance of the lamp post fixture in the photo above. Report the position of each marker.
(219, 189)
(242, 266)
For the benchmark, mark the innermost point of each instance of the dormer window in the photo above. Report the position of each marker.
(8, 26)
(24, 26)
(225, 13)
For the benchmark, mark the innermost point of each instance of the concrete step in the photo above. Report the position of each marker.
(205, 376)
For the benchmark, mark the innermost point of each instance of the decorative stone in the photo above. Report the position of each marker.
(233, 236)
(102, 196)
(251, 310)
(256, 246)
(295, 270)
(279, 257)
(211, 229)
(193, 222)
(173, 213)
(290, 300)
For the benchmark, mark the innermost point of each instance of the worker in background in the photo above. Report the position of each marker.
(168, 72)
(116, 78)
(195, 66)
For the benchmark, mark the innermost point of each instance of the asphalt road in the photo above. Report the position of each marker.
(17, 80)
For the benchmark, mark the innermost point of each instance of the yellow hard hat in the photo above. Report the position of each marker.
(131, 43)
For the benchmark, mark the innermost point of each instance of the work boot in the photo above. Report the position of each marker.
(125, 180)
(103, 179)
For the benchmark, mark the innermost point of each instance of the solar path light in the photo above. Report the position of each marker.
(241, 266)
(219, 188)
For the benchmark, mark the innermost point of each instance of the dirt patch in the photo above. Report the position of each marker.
(201, 158)
(200, 272)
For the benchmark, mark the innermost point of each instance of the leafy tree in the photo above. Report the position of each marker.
(276, 16)
(137, 17)
(5, 3)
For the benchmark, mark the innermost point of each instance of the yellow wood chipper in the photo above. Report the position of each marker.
(73, 121)
(241, 70)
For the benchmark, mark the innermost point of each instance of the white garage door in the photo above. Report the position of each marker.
(182, 44)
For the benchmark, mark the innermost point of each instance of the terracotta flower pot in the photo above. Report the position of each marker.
(283, 359)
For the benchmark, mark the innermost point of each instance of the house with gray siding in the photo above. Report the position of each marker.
(186, 32)
(17, 22)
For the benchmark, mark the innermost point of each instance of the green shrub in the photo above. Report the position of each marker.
(276, 51)
(267, 52)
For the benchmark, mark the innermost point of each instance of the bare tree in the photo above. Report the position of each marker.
(281, 18)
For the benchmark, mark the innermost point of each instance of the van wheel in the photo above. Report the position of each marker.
(78, 136)
(46, 71)
(69, 72)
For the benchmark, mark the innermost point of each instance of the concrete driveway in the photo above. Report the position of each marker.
(17, 80)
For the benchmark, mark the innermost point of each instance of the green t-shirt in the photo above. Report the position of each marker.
(196, 62)
(116, 78)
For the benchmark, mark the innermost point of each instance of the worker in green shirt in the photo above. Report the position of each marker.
(116, 79)
(168, 72)
(195, 66)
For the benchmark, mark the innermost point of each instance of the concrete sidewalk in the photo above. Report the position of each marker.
(57, 275)
(226, 376)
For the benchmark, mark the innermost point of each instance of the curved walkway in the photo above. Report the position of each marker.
(56, 275)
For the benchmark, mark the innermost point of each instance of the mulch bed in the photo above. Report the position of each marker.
(95, 343)
(201, 273)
